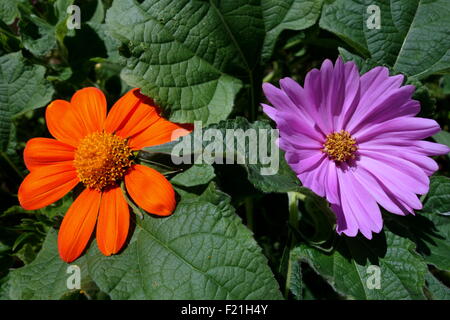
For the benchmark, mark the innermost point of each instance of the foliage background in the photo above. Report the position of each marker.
(235, 234)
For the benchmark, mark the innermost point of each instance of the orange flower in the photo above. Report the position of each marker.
(97, 150)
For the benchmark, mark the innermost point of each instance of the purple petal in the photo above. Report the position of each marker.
(315, 178)
(358, 205)
(399, 128)
(381, 193)
(402, 186)
(278, 99)
(396, 103)
(429, 148)
(428, 165)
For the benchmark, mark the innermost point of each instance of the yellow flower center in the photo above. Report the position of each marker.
(102, 160)
(340, 146)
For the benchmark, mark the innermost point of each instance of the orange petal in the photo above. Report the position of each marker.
(45, 185)
(131, 114)
(150, 190)
(113, 221)
(160, 132)
(42, 151)
(64, 123)
(90, 104)
(78, 224)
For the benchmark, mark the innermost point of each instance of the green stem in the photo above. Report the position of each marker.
(11, 164)
(293, 198)
(252, 115)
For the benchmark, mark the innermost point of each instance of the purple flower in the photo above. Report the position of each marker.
(356, 141)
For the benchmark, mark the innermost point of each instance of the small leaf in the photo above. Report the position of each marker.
(444, 138)
(438, 197)
(194, 176)
(282, 15)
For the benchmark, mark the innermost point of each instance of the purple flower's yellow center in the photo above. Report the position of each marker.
(102, 159)
(340, 146)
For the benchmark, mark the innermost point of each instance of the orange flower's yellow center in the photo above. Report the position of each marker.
(102, 160)
(340, 146)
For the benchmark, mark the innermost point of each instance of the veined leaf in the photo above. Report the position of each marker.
(196, 175)
(436, 288)
(202, 251)
(238, 142)
(280, 15)
(186, 54)
(353, 267)
(438, 197)
(23, 88)
(44, 278)
(9, 11)
(412, 37)
(429, 229)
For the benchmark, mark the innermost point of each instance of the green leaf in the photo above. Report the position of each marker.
(9, 11)
(202, 251)
(412, 37)
(40, 35)
(429, 229)
(186, 54)
(348, 268)
(438, 197)
(194, 176)
(436, 288)
(240, 151)
(45, 278)
(23, 88)
(282, 15)
(364, 65)
(430, 232)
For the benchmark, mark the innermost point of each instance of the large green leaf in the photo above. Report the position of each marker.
(186, 54)
(347, 268)
(202, 251)
(412, 37)
(241, 150)
(23, 87)
(280, 15)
